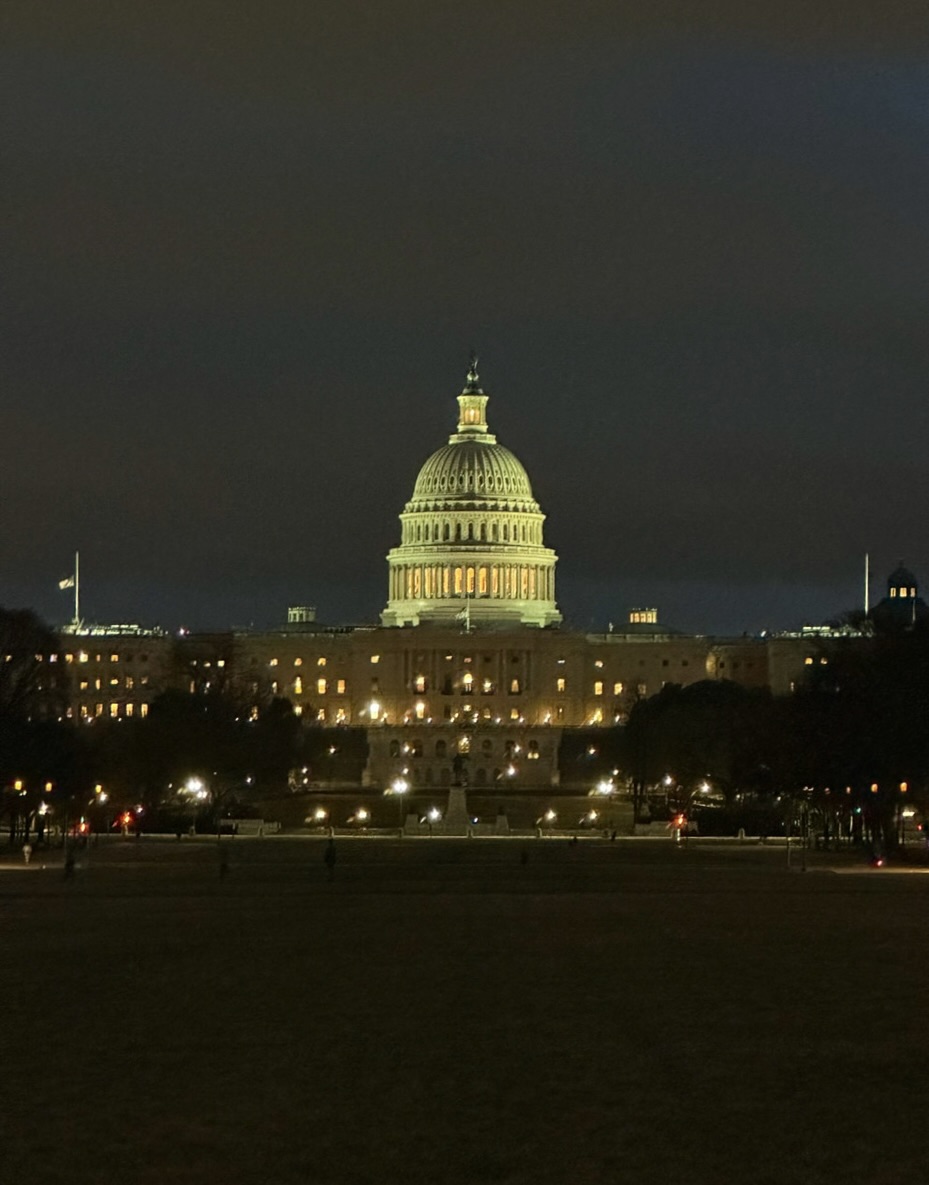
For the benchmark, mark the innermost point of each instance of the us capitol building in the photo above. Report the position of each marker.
(470, 676)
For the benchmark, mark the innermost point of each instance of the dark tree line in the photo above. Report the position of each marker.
(851, 744)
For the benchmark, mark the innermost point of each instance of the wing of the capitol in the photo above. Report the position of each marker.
(470, 681)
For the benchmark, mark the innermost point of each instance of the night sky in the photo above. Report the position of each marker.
(246, 250)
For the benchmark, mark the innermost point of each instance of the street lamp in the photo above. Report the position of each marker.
(398, 787)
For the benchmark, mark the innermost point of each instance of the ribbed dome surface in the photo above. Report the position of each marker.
(471, 469)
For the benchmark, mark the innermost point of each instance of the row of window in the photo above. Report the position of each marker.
(115, 710)
(84, 656)
(128, 683)
(482, 532)
(511, 749)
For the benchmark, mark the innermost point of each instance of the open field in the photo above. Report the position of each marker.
(445, 1012)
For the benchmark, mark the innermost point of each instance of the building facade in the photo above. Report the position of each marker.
(470, 677)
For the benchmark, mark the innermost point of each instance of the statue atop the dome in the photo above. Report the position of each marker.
(474, 383)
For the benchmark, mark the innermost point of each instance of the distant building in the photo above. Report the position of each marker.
(902, 607)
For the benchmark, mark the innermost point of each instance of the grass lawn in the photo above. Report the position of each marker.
(444, 1012)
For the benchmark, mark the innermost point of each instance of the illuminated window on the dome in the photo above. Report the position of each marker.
(598, 688)
(340, 686)
(298, 686)
(375, 658)
(617, 688)
(482, 582)
(321, 686)
(320, 662)
(470, 582)
(560, 684)
(514, 687)
(419, 684)
(298, 662)
(459, 582)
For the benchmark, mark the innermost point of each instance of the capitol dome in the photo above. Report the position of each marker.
(471, 545)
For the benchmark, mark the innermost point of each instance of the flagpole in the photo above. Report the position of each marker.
(867, 582)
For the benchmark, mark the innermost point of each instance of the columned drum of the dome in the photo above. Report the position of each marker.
(471, 548)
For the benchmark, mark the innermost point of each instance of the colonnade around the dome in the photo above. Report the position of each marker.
(523, 582)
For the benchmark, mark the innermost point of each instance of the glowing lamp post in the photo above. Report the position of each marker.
(398, 787)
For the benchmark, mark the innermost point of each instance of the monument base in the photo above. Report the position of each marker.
(457, 821)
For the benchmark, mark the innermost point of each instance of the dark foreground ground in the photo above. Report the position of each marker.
(444, 1012)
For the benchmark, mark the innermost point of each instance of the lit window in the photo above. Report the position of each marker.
(298, 662)
(298, 709)
(143, 709)
(598, 688)
(221, 662)
(642, 689)
(83, 685)
(321, 715)
(340, 686)
(97, 684)
(559, 684)
(69, 658)
(893, 592)
(599, 663)
(114, 682)
(53, 658)
(514, 713)
(83, 711)
(808, 660)
(320, 662)
(468, 682)
(130, 682)
(617, 688)
(298, 686)
(130, 709)
(274, 686)
(420, 710)
(114, 658)
(273, 662)
(420, 683)
(487, 687)
(98, 709)
(514, 687)
(321, 686)
(375, 658)
(82, 656)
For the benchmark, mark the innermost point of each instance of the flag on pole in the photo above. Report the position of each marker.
(66, 583)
